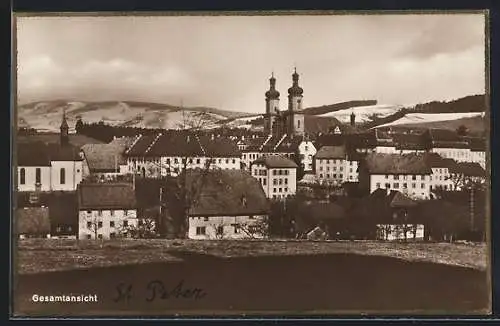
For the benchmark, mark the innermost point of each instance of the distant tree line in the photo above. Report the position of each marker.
(106, 133)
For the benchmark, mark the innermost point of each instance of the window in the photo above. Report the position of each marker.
(334, 168)
(112, 235)
(286, 189)
(112, 212)
(341, 176)
(168, 161)
(280, 182)
(350, 170)
(396, 177)
(190, 161)
(220, 230)
(176, 160)
(387, 185)
(396, 185)
(205, 218)
(328, 168)
(274, 172)
(22, 176)
(422, 177)
(321, 175)
(378, 185)
(405, 185)
(112, 224)
(38, 175)
(200, 230)
(125, 212)
(422, 185)
(234, 161)
(99, 212)
(414, 185)
(321, 168)
(99, 236)
(99, 224)
(286, 181)
(279, 190)
(414, 177)
(328, 175)
(306, 148)
(62, 176)
(264, 182)
(89, 225)
(341, 169)
(89, 236)
(125, 223)
(89, 212)
(275, 182)
(220, 161)
(236, 228)
(274, 189)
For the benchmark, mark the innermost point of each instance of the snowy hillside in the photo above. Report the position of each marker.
(422, 118)
(364, 113)
(46, 116)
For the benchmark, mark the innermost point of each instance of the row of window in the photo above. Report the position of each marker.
(405, 177)
(281, 172)
(334, 176)
(111, 212)
(334, 169)
(404, 185)
(198, 161)
(99, 224)
(333, 161)
(38, 176)
(202, 230)
(280, 190)
(280, 181)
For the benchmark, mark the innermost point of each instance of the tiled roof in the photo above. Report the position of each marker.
(468, 169)
(381, 163)
(33, 220)
(290, 144)
(105, 157)
(63, 208)
(434, 160)
(183, 143)
(41, 154)
(441, 138)
(219, 147)
(106, 196)
(336, 152)
(254, 144)
(226, 193)
(315, 124)
(477, 144)
(410, 142)
(275, 161)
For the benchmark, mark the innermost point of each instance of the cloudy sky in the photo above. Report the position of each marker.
(226, 61)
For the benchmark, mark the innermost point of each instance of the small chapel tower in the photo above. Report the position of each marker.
(272, 106)
(295, 118)
(64, 130)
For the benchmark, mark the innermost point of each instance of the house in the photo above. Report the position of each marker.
(394, 215)
(48, 167)
(32, 222)
(106, 160)
(171, 152)
(277, 176)
(408, 173)
(335, 165)
(450, 145)
(464, 173)
(105, 210)
(441, 177)
(227, 204)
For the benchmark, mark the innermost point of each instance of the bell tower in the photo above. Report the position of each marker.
(272, 105)
(295, 118)
(64, 130)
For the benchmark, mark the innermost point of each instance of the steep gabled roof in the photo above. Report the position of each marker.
(468, 169)
(219, 146)
(106, 196)
(41, 154)
(225, 193)
(381, 163)
(331, 152)
(139, 147)
(104, 157)
(275, 161)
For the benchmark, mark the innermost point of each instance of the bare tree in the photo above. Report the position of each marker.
(256, 229)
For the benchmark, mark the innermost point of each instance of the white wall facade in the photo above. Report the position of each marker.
(458, 154)
(441, 179)
(307, 151)
(336, 170)
(278, 183)
(396, 232)
(108, 223)
(225, 227)
(30, 178)
(414, 186)
(73, 174)
(386, 149)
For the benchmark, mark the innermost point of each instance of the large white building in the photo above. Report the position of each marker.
(232, 205)
(106, 210)
(334, 165)
(409, 173)
(48, 167)
(172, 152)
(277, 176)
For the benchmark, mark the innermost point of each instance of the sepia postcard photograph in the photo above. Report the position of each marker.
(249, 164)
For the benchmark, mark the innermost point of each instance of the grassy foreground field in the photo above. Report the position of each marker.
(44, 255)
